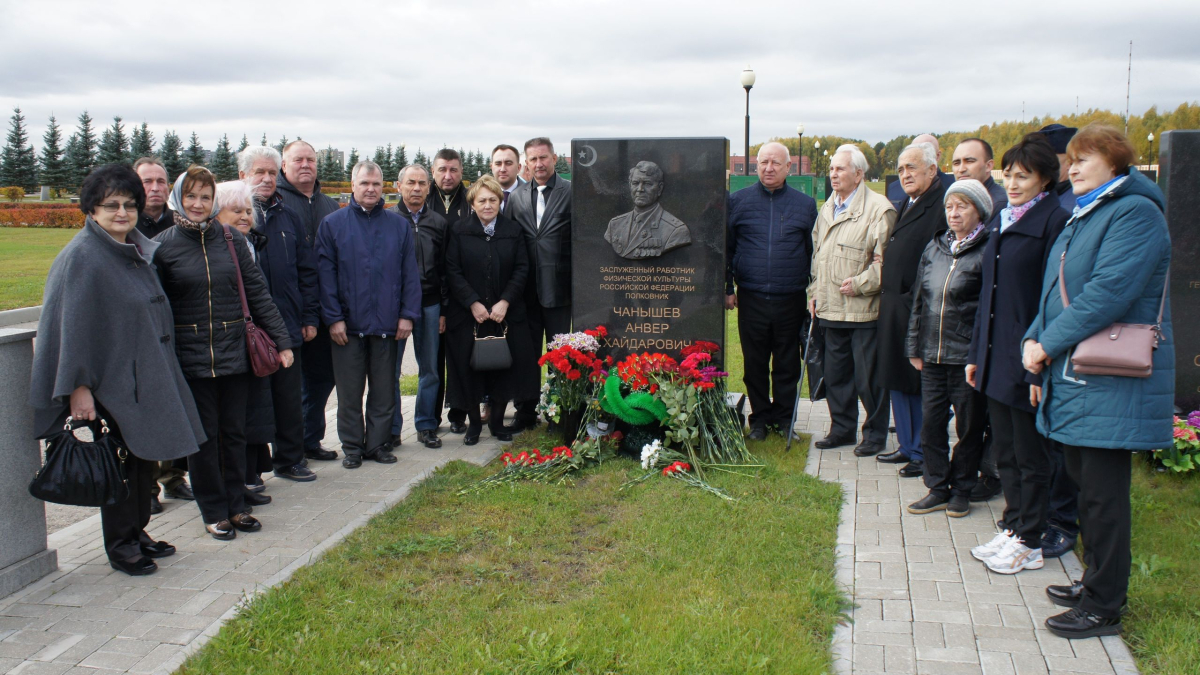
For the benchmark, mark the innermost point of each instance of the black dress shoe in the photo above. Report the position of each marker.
(297, 473)
(913, 469)
(458, 427)
(1075, 623)
(136, 568)
(321, 454)
(833, 442)
(758, 434)
(159, 549)
(1065, 596)
(256, 498)
(985, 489)
(868, 449)
(430, 438)
(503, 435)
(472, 434)
(1055, 542)
(896, 457)
(929, 503)
(221, 531)
(155, 505)
(245, 522)
(182, 491)
(383, 456)
(351, 461)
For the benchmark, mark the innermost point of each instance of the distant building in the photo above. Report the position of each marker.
(208, 157)
(338, 156)
(800, 166)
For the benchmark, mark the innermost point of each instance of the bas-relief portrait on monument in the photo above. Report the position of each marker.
(648, 241)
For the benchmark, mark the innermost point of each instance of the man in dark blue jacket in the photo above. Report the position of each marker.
(290, 269)
(370, 298)
(769, 253)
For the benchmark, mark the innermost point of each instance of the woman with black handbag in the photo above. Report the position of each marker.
(105, 350)
(487, 266)
(203, 283)
(1106, 276)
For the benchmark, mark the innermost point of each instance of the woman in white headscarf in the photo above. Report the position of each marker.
(200, 276)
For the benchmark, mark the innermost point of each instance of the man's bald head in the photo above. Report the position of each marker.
(932, 140)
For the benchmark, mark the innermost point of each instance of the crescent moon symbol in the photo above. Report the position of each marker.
(582, 152)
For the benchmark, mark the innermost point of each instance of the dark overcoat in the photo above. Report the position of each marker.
(1014, 262)
(487, 269)
(915, 227)
(106, 325)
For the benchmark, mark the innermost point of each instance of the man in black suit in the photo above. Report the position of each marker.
(506, 167)
(895, 191)
(543, 209)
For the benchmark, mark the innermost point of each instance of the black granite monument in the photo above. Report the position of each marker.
(1179, 178)
(648, 241)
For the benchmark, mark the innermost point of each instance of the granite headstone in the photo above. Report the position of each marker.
(648, 241)
(1179, 166)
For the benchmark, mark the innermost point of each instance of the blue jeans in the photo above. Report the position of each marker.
(425, 341)
(907, 414)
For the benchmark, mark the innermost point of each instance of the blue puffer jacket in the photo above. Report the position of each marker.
(769, 240)
(368, 269)
(1118, 252)
(289, 266)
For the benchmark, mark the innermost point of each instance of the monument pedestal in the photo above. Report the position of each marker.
(23, 554)
(1179, 178)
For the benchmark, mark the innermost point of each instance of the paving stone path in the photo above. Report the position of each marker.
(90, 619)
(922, 603)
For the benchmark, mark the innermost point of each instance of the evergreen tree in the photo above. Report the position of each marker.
(224, 166)
(245, 143)
(421, 159)
(141, 142)
(282, 144)
(194, 154)
(169, 151)
(114, 144)
(54, 168)
(18, 164)
(561, 166)
(380, 158)
(350, 162)
(323, 167)
(401, 158)
(264, 140)
(81, 153)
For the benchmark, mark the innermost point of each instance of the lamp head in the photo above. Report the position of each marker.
(747, 78)
(799, 129)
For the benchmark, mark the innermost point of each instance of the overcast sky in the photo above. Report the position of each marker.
(354, 73)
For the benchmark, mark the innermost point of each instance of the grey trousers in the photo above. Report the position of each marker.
(366, 362)
(850, 375)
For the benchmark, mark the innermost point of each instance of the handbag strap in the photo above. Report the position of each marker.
(475, 330)
(1062, 289)
(237, 266)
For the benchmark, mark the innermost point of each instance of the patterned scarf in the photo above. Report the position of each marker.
(490, 228)
(1015, 212)
(956, 244)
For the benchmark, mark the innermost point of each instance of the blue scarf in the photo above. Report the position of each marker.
(1082, 202)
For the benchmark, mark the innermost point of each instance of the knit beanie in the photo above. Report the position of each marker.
(975, 193)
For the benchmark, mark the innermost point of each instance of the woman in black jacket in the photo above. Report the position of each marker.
(945, 298)
(1014, 263)
(486, 270)
(200, 278)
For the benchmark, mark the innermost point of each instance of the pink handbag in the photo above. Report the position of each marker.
(1122, 349)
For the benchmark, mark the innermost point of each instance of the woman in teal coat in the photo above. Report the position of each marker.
(1116, 253)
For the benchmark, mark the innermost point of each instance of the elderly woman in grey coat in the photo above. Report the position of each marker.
(105, 349)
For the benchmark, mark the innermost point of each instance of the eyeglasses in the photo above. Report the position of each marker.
(113, 207)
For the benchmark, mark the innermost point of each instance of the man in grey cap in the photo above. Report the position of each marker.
(1059, 136)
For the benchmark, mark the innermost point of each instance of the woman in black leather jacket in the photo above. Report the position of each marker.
(945, 297)
(199, 277)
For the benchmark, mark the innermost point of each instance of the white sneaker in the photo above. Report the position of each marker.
(985, 551)
(1014, 558)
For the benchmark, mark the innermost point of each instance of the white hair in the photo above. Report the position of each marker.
(857, 159)
(235, 193)
(927, 150)
(787, 156)
(247, 157)
(365, 165)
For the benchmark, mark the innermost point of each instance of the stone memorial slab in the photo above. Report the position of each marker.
(648, 241)
(1179, 166)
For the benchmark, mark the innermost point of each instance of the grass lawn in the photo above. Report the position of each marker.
(563, 579)
(25, 257)
(1162, 626)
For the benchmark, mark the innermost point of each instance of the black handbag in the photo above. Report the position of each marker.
(490, 351)
(82, 473)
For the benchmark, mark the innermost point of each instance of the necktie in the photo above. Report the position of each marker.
(541, 204)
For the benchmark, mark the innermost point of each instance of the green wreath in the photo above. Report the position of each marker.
(637, 409)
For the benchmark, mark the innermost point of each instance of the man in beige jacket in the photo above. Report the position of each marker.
(848, 242)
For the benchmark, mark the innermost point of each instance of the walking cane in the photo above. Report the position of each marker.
(799, 388)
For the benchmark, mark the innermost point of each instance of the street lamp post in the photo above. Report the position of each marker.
(800, 150)
(747, 83)
(816, 158)
(1151, 139)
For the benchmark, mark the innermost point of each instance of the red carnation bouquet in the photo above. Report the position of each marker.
(572, 371)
